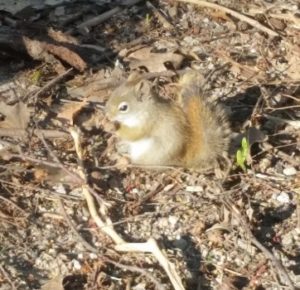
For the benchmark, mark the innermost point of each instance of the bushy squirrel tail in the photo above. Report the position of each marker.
(190, 85)
(206, 117)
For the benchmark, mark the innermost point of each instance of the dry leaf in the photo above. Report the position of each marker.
(68, 110)
(294, 63)
(16, 116)
(241, 70)
(54, 284)
(53, 175)
(153, 62)
(215, 237)
(59, 36)
(42, 50)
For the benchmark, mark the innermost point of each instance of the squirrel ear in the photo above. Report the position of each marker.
(143, 90)
(134, 78)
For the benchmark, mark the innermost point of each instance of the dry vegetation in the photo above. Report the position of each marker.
(73, 215)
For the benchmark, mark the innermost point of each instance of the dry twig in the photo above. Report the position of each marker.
(98, 19)
(51, 83)
(233, 13)
(73, 229)
(51, 134)
(13, 287)
(49, 164)
(166, 24)
(281, 271)
(106, 225)
(94, 250)
(104, 16)
(143, 272)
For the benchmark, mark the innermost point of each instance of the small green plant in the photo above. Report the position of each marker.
(148, 19)
(36, 76)
(242, 154)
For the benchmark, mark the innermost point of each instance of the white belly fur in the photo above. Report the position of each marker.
(139, 148)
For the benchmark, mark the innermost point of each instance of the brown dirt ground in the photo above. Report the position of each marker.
(241, 231)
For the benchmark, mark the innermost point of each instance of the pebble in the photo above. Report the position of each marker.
(76, 264)
(282, 197)
(194, 188)
(59, 188)
(287, 239)
(93, 256)
(289, 171)
(173, 220)
(141, 286)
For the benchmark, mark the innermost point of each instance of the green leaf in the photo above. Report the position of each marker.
(148, 19)
(245, 147)
(36, 76)
(242, 154)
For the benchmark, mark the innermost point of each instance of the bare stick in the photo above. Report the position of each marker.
(106, 225)
(152, 247)
(56, 159)
(104, 16)
(94, 250)
(138, 270)
(99, 19)
(13, 287)
(161, 18)
(14, 205)
(233, 13)
(73, 229)
(51, 83)
(48, 163)
(15, 132)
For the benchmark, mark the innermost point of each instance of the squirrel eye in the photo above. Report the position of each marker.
(123, 107)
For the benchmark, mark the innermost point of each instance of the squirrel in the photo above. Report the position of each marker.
(191, 132)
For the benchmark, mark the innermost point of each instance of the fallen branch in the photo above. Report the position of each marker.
(151, 247)
(13, 287)
(47, 163)
(138, 270)
(106, 225)
(233, 13)
(161, 18)
(94, 250)
(104, 16)
(98, 19)
(80, 239)
(51, 134)
(51, 83)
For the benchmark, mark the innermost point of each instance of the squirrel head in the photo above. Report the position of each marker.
(130, 104)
